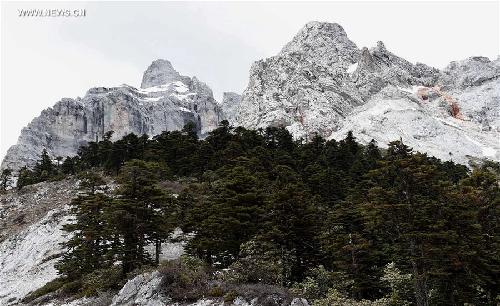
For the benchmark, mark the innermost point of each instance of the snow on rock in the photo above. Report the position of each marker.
(229, 106)
(352, 68)
(159, 72)
(316, 83)
(30, 236)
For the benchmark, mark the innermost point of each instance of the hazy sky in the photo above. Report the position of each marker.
(46, 58)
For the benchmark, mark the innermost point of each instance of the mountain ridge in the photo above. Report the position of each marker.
(320, 82)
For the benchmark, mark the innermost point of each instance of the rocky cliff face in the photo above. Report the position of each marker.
(322, 83)
(166, 101)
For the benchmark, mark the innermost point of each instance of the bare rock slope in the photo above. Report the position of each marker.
(321, 82)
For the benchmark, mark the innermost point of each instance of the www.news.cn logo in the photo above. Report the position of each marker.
(52, 13)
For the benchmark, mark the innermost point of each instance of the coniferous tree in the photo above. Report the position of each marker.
(88, 247)
(291, 222)
(135, 215)
(5, 179)
(26, 177)
(44, 169)
(226, 218)
(406, 211)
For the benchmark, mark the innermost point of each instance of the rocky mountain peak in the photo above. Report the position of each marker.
(472, 71)
(366, 60)
(323, 40)
(159, 72)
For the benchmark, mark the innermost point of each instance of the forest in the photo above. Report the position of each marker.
(335, 222)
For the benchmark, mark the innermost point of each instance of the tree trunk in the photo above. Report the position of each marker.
(158, 251)
(419, 281)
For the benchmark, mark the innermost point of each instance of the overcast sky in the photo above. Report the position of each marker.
(44, 59)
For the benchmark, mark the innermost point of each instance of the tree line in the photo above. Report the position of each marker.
(266, 208)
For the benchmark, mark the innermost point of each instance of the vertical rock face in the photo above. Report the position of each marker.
(229, 106)
(166, 101)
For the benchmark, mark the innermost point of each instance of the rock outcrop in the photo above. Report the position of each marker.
(166, 101)
(322, 83)
(229, 106)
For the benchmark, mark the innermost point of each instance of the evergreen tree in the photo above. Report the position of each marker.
(291, 223)
(68, 166)
(44, 169)
(407, 212)
(88, 246)
(226, 218)
(139, 213)
(26, 177)
(5, 179)
(349, 249)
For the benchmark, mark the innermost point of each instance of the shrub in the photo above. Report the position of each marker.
(49, 287)
(258, 263)
(101, 280)
(72, 288)
(185, 279)
(319, 281)
(230, 296)
(260, 294)
(335, 298)
(216, 291)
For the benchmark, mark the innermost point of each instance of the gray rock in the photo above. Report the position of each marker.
(322, 83)
(166, 102)
(142, 290)
(299, 302)
(159, 72)
(229, 106)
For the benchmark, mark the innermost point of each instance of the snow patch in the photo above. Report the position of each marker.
(183, 109)
(180, 87)
(489, 151)
(352, 68)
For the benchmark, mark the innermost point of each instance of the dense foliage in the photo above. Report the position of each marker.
(336, 221)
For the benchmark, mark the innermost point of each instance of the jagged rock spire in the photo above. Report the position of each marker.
(325, 41)
(159, 72)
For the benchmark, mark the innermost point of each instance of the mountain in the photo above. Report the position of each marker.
(166, 101)
(320, 82)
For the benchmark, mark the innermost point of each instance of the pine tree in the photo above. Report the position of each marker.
(349, 249)
(5, 179)
(26, 177)
(138, 216)
(407, 212)
(68, 166)
(44, 169)
(228, 216)
(291, 223)
(88, 246)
